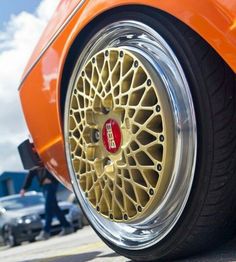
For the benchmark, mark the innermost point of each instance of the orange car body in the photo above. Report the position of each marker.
(40, 90)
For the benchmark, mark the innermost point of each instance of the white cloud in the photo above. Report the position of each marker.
(16, 45)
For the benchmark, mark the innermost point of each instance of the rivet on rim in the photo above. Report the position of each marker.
(149, 82)
(161, 138)
(139, 209)
(151, 191)
(136, 63)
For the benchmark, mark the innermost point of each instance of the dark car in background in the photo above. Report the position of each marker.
(22, 218)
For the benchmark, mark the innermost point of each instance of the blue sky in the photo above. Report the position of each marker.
(14, 7)
(21, 24)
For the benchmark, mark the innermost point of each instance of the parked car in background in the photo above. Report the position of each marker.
(22, 218)
(132, 104)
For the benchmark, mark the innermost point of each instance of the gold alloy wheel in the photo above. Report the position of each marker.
(121, 135)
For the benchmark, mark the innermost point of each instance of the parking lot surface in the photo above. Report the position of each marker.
(84, 246)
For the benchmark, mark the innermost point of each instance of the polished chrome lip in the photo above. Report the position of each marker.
(138, 236)
(52, 39)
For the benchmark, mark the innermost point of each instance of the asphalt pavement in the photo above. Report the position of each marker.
(84, 245)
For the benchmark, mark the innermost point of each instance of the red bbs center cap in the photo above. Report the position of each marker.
(111, 135)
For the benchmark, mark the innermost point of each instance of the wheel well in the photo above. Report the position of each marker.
(5, 227)
(87, 32)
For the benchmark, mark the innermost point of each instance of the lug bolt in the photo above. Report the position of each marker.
(158, 108)
(125, 217)
(111, 216)
(83, 73)
(106, 53)
(108, 162)
(107, 110)
(121, 53)
(96, 136)
(93, 60)
(159, 168)
(135, 63)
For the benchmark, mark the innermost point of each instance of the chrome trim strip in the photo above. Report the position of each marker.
(52, 40)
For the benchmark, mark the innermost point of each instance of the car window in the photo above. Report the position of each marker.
(21, 202)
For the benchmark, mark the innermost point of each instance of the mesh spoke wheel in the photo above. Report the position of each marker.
(119, 136)
(130, 135)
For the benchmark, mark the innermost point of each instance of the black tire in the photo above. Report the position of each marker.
(80, 224)
(32, 240)
(209, 216)
(9, 237)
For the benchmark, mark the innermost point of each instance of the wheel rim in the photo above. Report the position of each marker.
(8, 237)
(130, 134)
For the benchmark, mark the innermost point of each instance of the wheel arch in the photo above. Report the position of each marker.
(6, 226)
(73, 45)
(180, 48)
